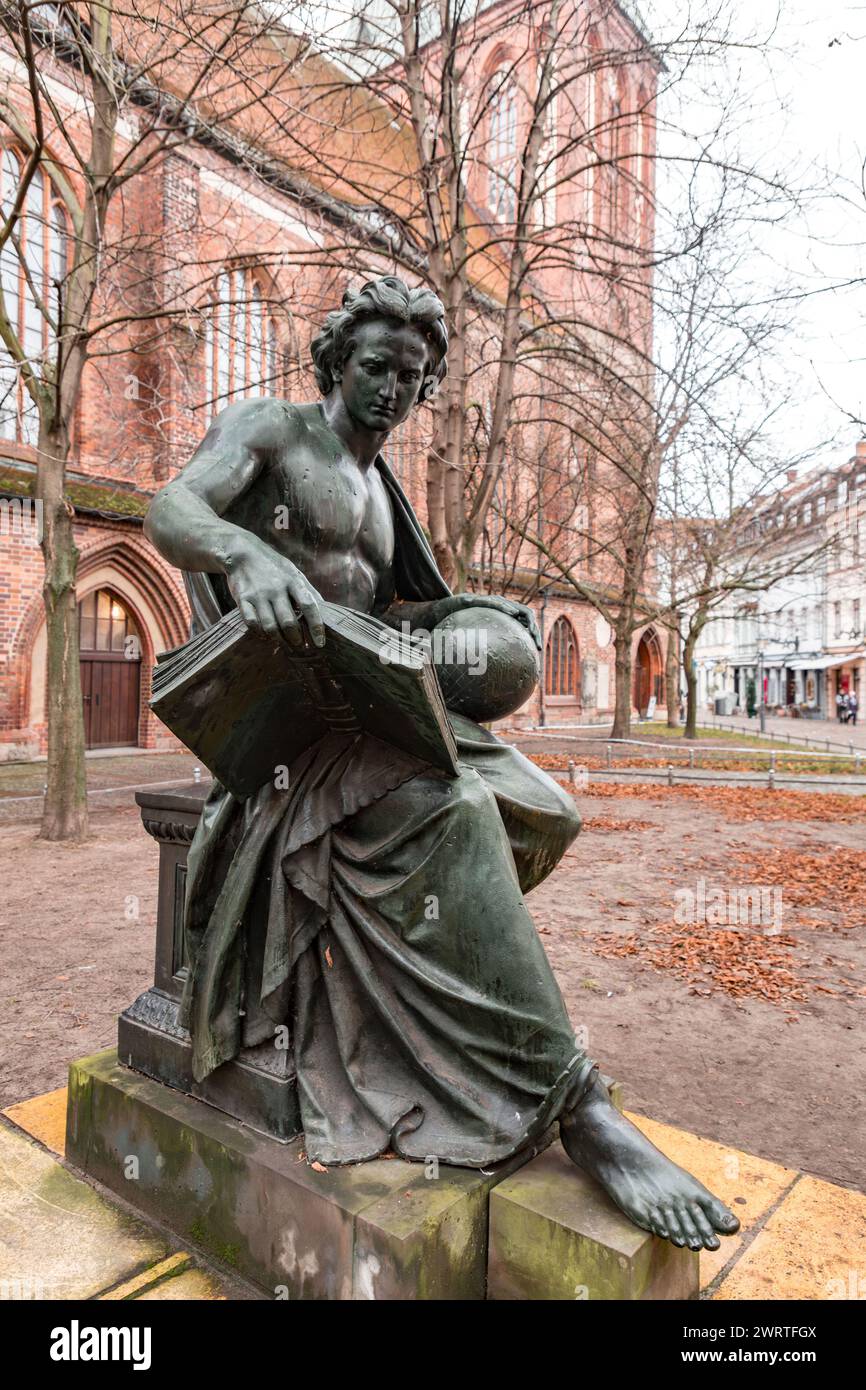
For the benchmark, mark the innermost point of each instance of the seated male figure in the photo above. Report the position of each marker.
(396, 944)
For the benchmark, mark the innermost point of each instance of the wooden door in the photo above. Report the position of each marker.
(642, 677)
(110, 671)
(109, 688)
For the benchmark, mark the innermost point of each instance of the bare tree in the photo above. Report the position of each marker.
(138, 86)
(529, 202)
(666, 462)
(530, 155)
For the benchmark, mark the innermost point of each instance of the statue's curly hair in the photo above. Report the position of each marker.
(386, 298)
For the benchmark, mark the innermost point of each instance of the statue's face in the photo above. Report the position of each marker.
(381, 379)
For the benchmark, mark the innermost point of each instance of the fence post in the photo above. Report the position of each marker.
(609, 756)
(670, 775)
(771, 780)
(572, 780)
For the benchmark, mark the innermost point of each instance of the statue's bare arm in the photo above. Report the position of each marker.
(186, 522)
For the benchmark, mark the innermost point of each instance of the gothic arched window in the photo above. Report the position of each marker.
(241, 353)
(548, 169)
(502, 147)
(33, 267)
(104, 625)
(561, 663)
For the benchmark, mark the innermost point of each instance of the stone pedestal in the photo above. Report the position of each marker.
(221, 1163)
(554, 1234)
(257, 1088)
(380, 1230)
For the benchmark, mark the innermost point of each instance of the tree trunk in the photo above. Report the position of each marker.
(65, 812)
(445, 481)
(672, 681)
(691, 730)
(437, 470)
(622, 705)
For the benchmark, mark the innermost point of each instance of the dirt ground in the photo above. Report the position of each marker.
(781, 1077)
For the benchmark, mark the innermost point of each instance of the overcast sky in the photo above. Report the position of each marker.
(828, 124)
(810, 113)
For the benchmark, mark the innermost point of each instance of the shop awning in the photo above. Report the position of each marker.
(824, 663)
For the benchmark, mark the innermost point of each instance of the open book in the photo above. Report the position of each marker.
(247, 704)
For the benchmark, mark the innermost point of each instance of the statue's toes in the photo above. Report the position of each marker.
(694, 1239)
(707, 1236)
(675, 1230)
(656, 1223)
(723, 1220)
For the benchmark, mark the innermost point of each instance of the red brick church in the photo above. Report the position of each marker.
(143, 410)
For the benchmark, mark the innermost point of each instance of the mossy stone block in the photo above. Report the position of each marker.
(381, 1230)
(555, 1234)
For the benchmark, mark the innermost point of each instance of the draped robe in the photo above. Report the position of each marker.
(372, 914)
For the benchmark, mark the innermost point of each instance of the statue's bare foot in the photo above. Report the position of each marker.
(655, 1193)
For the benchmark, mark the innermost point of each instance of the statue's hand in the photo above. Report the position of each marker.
(273, 596)
(518, 611)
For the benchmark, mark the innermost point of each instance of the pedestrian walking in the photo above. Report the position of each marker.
(853, 706)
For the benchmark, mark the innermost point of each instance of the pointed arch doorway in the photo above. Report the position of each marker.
(648, 671)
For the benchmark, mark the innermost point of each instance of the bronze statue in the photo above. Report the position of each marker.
(391, 936)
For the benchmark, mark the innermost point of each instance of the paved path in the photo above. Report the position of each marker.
(800, 1237)
(800, 733)
(678, 776)
(64, 1239)
(816, 731)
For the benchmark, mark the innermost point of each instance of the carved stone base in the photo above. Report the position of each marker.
(533, 1227)
(258, 1088)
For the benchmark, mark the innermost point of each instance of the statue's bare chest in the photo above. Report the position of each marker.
(330, 501)
(329, 516)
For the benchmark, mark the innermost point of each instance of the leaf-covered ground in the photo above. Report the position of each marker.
(739, 805)
(750, 1033)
